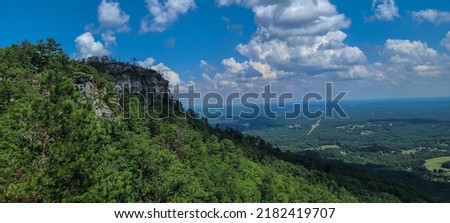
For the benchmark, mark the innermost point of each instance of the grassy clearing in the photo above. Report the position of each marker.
(366, 132)
(436, 163)
(330, 147)
(324, 147)
(409, 151)
(351, 127)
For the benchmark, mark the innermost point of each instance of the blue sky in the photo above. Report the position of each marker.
(371, 48)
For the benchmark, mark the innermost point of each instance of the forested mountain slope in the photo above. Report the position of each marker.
(63, 138)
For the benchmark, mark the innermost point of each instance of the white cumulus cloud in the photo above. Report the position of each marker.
(168, 74)
(265, 70)
(295, 17)
(431, 15)
(296, 36)
(219, 82)
(112, 20)
(409, 51)
(109, 39)
(427, 70)
(408, 57)
(386, 10)
(310, 54)
(233, 66)
(163, 14)
(110, 15)
(358, 71)
(446, 41)
(88, 47)
(294, 39)
(206, 66)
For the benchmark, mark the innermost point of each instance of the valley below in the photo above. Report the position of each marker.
(403, 140)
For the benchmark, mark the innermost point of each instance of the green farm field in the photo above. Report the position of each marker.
(436, 163)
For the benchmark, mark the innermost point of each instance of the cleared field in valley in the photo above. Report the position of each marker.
(436, 163)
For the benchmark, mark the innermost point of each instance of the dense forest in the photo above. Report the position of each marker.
(55, 148)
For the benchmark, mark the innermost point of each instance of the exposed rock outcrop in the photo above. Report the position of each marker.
(88, 90)
(128, 78)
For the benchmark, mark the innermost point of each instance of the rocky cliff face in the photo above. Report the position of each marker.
(91, 92)
(133, 78)
(128, 78)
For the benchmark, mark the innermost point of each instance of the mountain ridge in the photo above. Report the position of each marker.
(56, 144)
